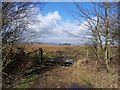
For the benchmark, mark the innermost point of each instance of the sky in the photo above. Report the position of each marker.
(56, 22)
(62, 8)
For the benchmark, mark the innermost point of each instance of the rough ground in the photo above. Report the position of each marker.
(77, 75)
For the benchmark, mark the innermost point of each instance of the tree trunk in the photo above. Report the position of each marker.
(106, 59)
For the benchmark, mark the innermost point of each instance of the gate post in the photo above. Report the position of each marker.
(41, 55)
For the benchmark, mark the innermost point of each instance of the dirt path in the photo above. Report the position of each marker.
(78, 75)
(62, 77)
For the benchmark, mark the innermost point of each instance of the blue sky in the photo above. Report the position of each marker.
(62, 8)
(56, 22)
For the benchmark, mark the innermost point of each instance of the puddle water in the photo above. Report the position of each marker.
(69, 60)
(75, 85)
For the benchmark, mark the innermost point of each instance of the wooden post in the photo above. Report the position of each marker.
(41, 55)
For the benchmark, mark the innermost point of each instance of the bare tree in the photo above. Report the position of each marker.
(15, 17)
(99, 21)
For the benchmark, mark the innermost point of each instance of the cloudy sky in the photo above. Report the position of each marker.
(55, 25)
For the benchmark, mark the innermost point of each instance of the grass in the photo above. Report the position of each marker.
(25, 82)
(53, 55)
(53, 50)
(100, 79)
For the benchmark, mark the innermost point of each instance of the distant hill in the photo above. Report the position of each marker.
(65, 44)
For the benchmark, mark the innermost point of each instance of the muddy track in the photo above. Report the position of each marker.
(78, 75)
(60, 77)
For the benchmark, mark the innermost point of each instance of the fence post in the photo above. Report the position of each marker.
(41, 55)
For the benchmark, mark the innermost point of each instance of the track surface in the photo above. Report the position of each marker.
(60, 77)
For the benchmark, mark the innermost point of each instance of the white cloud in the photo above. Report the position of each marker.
(46, 23)
(52, 32)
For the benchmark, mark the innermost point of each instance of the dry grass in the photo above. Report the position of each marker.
(80, 50)
(49, 48)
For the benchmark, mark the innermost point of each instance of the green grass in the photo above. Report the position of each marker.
(55, 54)
(27, 81)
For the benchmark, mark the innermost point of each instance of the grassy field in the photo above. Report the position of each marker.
(70, 50)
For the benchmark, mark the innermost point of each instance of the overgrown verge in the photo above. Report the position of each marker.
(96, 58)
(17, 64)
